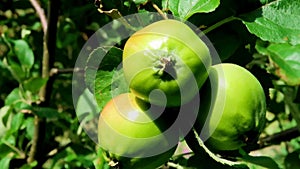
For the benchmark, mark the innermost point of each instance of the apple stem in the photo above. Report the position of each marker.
(212, 155)
(164, 64)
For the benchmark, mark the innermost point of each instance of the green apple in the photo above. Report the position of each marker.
(132, 133)
(166, 56)
(232, 109)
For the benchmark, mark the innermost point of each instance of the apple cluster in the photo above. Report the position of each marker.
(166, 65)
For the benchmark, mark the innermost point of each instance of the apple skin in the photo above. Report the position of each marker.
(232, 110)
(132, 133)
(166, 56)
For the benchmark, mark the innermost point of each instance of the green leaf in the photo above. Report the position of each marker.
(30, 165)
(263, 161)
(24, 53)
(112, 58)
(10, 139)
(119, 84)
(4, 162)
(29, 128)
(109, 84)
(4, 115)
(2, 66)
(17, 121)
(138, 2)
(13, 97)
(46, 112)
(87, 108)
(17, 72)
(276, 22)
(5, 149)
(292, 160)
(104, 58)
(16, 101)
(286, 59)
(103, 83)
(34, 84)
(186, 8)
(100, 162)
(206, 162)
(226, 43)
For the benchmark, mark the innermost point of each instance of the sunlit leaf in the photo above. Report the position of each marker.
(29, 128)
(17, 72)
(4, 162)
(186, 8)
(24, 53)
(34, 84)
(109, 84)
(102, 58)
(17, 121)
(13, 97)
(276, 22)
(263, 161)
(286, 58)
(88, 112)
(138, 2)
(4, 115)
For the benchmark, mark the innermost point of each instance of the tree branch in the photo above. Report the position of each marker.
(49, 44)
(49, 49)
(275, 139)
(37, 140)
(41, 14)
(285, 135)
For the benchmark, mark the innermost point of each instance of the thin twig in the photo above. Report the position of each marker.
(21, 153)
(220, 23)
(55, 71)
(41, 14)
(159, 11)
(56, 151)
(177, 166)
(211, 154)
(183, 154)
